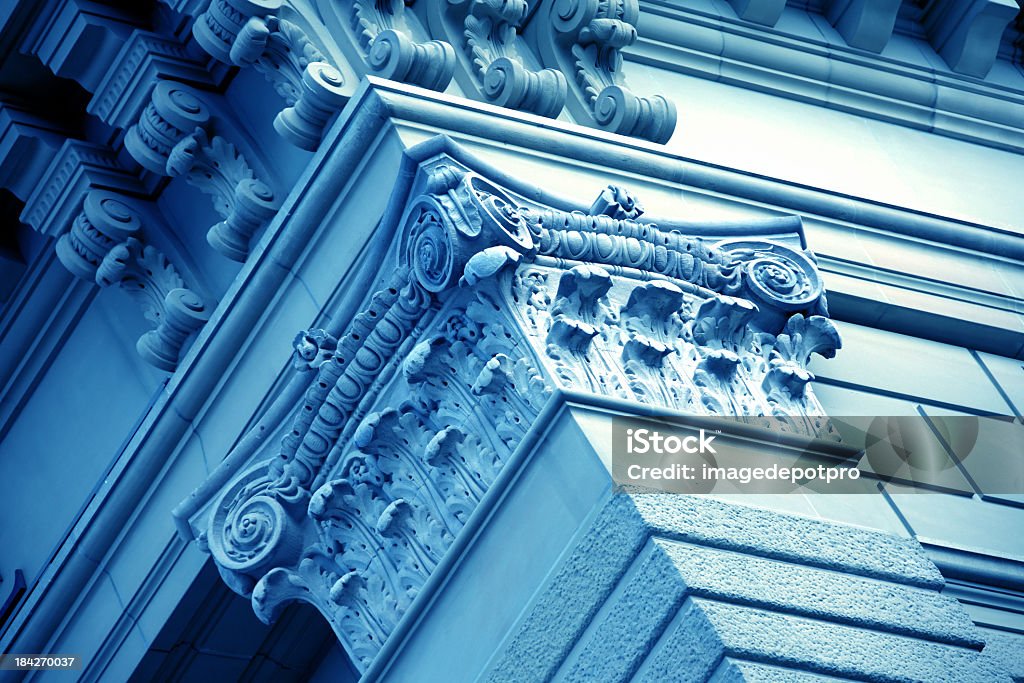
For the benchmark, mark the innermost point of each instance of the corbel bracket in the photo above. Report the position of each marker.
(585, 38)
(864, 24)
(967, 32)
(249, 34)
(171, 139)
(386, 35)
(764, 12)
(104, 246)
(215, 167)
(486, 31)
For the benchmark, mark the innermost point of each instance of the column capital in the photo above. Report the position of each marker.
(489, 301)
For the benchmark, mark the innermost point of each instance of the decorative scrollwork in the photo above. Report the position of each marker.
(322, 92)
(216, 168)
(103, 246)
(487, 33)
(218, 27)
(586, 38)
(433, 252)
(780, 279)
(173, 112)
(385, 31)
(246, 528)
(412, 413)
(247, 33)
(106, 221)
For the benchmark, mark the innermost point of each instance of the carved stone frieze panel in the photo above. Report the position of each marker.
(492, 302)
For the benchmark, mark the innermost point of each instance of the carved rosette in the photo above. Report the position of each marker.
(495, 300)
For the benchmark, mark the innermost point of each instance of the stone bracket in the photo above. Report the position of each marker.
(584, 40)
(864, 24)
(104, 245)
(764, 12)
(967, 33)
(248, 34)
(171, 139)
(501, 67)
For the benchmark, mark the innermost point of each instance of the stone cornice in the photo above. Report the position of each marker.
(76, 168)
(835, 76)
(144, 59)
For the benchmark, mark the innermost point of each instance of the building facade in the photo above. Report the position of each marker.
(321, 322)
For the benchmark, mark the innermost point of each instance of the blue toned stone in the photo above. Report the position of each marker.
(795, 539)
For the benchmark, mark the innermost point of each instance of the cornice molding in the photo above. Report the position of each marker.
(966, 33)
(79, 39)
(77, 168)
(144, 59)
(691, 41)
(28, 144)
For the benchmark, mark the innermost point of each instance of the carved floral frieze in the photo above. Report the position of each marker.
(493, 302)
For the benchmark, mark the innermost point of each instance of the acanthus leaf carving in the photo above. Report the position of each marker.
(104, 246)
(502, 70)
(216, 168)
(496, 300)
(248, 33)
(585, 38)
(171, 138)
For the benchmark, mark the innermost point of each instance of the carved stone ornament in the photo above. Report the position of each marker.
(502, 68)
(393, 45)
(171, 139)
(491, 301)
(104, 246)
(584, 39)
(248, 33)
